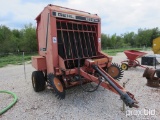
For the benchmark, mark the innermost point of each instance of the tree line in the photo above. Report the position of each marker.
(15, 40)
(143, 37)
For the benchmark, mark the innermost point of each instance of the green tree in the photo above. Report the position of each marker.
(16, 40)
(116, 41)
(120, 42)
(155, 34)
(106, 41)
(129, 39)
(143, 37)
(29, 42)
(5, 38)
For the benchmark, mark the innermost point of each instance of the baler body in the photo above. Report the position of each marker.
(69, 46)
(65, 35)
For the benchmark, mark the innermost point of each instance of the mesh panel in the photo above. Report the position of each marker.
(76, 40)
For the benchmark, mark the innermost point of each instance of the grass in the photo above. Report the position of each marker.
(16, 59)
(113, 52)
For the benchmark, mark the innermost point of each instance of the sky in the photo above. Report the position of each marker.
(117, 16)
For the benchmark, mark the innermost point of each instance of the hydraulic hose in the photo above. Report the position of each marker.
(11, 104)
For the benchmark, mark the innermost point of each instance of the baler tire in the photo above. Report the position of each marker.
(124, 66)
(38, 81)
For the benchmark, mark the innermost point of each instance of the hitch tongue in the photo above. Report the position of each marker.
(127, 97)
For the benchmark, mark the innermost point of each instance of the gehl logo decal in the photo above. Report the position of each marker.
(71, 16)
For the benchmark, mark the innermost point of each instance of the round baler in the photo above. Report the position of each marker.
(69, 45)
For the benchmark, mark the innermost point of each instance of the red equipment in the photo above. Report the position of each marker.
(149, 74)
(132, 55)
(69, 44)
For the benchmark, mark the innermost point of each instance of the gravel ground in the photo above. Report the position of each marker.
(78, 105)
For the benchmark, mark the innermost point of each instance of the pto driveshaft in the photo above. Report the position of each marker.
(124, 96)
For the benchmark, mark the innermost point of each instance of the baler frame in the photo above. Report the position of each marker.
(69, 43)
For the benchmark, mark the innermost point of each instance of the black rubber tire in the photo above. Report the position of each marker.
(38, 81)
(124, 66)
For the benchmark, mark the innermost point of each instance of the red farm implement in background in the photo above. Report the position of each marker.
(132, 56)
(69, 44)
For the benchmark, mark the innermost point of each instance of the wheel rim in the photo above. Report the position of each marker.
(124, 66)
(58, 84)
